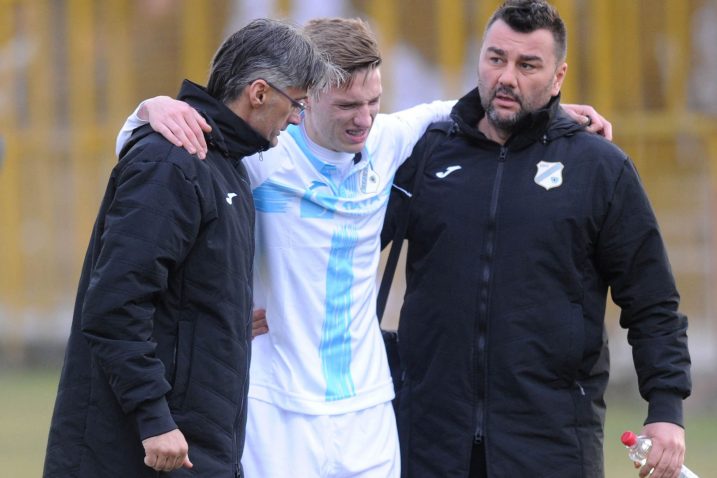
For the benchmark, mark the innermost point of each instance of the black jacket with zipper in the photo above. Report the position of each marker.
(501, 335)
(161, 334)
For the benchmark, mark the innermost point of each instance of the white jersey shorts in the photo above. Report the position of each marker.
(281, 443)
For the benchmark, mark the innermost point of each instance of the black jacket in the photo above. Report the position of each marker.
(501, 334)
(161, 332)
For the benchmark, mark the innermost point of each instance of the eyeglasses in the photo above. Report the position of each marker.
(299, 106)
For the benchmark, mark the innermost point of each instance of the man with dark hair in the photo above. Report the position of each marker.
(520, 225)
(156, 368)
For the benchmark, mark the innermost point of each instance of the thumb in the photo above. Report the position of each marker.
(187, 463)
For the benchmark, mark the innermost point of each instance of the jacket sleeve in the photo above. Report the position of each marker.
(633, 260)
(149, 226)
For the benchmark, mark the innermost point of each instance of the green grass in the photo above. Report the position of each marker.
(26, 401)
(27, 398)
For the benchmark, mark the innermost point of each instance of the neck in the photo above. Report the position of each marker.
(310, 130)
(239, 108)
(500, 136)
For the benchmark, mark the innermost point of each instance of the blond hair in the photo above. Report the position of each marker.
(347, 43)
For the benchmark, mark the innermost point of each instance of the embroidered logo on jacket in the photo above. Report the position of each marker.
(449, 170)
(230, 197)
(549, 175)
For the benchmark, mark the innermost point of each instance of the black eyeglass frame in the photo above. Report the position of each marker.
(297, 105)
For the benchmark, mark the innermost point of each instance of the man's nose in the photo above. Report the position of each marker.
(363, 117)
(508, 76)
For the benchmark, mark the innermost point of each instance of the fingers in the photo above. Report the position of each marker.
(259, 325)
(166, 452)
(167, 131)
(667, 452)
(658, 465)
(587, 116)
(607, 130)
(159, 462)
(199, 127)
(666, 463)
(599, 125)
(162, 462)
(188, 127)
(188, 133)
(577, 112)
(179, 123)
(652, 460)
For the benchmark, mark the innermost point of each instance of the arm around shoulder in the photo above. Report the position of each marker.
(176, 120)
(406, 127)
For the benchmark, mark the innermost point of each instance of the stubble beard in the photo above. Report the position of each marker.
(505, 124)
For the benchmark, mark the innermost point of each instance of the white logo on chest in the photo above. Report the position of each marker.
(549, 175)
(449, 170)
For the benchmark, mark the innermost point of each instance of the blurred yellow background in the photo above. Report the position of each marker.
(72, 70)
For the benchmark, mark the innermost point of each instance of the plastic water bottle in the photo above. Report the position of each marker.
(639, 446)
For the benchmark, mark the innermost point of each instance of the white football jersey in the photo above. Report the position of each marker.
(319, 219)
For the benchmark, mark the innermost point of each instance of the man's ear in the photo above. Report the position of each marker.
(559, 78)
(257, 93)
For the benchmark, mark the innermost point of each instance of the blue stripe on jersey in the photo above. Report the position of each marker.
(325, 169)
(335, 346)
(272, 197)
(317, 205)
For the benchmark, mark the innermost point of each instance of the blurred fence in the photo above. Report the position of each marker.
(72, 70)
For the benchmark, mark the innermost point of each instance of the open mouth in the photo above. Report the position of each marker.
(357, 135)
(506, 98)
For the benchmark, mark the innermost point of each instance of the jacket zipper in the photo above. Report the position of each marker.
(483, 302)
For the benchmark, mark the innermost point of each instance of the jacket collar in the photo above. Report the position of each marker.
(544, 124)
(230, 134)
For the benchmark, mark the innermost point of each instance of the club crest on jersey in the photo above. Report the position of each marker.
(369, 181)
(549, 175)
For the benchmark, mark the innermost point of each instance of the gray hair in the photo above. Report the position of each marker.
(272, 50)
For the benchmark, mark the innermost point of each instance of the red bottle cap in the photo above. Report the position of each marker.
(628, 438)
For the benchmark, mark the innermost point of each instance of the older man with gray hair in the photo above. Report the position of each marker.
(157, 363)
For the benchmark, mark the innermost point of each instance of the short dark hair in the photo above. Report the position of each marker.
(269, 49)
(526, 16)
